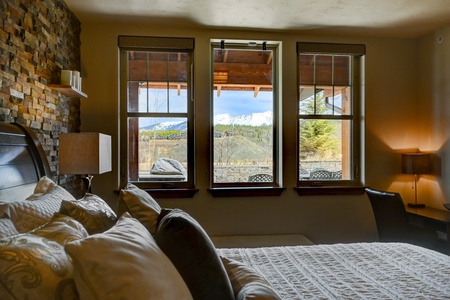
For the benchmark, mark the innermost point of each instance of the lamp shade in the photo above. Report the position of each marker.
(416, 163)
(84, 153)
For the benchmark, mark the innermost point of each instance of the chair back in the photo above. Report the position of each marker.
(260, 178)
(390, 215)
(321, 175)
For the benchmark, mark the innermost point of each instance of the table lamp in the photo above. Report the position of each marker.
(416, 163)
(85, 153)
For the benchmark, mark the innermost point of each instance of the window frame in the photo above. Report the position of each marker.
(166, 189)
(250, 188)
(353, 185)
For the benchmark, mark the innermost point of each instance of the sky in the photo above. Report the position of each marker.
(235, 103)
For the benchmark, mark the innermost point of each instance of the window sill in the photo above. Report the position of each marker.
(246, 191)
(330, 190)
(171, 193)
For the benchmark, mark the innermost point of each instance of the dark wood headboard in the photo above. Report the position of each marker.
(22, 161)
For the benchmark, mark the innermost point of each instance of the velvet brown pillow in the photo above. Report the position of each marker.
(189, 248)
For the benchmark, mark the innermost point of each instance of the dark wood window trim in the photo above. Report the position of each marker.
(168, 193)
(246, 191)
(330, 190)
(171, 193)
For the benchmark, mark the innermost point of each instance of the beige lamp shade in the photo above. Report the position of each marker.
(84, 153)
(416, 163)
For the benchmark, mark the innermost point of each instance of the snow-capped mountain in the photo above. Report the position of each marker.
(166, 126)
(255, 119)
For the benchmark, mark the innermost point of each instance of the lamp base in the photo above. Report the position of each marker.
(88, 182)
(416, 205)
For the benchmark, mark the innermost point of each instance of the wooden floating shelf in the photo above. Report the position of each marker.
(68, 90)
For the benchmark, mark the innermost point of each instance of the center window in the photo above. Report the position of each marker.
(244, 114)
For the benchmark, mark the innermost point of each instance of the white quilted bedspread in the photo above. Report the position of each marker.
(350, 271)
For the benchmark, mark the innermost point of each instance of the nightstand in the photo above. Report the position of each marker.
(434, 224)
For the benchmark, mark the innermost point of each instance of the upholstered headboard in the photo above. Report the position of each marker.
(22, 162)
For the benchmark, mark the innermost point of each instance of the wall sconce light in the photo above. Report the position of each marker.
(85, 153)
(416, 163)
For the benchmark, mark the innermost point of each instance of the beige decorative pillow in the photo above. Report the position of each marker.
(44, 186)
(247, 283)
(140, 205)
(124, 263)
(62, 229)
(35, 267)
(91, 211)
(28, 215)
(7, 228)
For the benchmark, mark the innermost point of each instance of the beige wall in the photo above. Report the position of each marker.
(391, 97)
(434, 114)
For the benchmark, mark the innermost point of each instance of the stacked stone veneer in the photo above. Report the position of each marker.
(39, 38)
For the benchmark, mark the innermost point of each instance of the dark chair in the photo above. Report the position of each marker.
(320, 174)
(260, 178)
(390, 215)
(336, 175)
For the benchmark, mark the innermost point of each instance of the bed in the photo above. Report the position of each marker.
(53, 246)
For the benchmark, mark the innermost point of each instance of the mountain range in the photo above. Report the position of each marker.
(254, 119)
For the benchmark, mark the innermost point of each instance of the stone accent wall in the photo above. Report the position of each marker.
(39, 38)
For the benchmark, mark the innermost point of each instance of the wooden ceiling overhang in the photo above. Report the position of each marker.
(235, 70)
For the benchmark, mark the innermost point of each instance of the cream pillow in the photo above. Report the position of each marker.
(37, 210)
(62, 229)
(124, 263)
(44, 186)
(7, 228)
(91, 211)
(247, 283)
(37, 267)
(140, 205)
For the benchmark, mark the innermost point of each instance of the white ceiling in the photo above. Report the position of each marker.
(396, 18)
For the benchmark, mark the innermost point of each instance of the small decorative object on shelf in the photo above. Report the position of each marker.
(72, 78)
(70, 84)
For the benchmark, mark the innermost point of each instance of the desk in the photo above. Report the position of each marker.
(434, 222)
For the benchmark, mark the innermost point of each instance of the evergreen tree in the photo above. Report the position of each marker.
(318, 137)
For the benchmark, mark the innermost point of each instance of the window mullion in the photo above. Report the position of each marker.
(315, 83)
(147, 79)
(168, 83)
(332, 84)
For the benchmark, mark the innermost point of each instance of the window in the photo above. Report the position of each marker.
(156, 118)
(244, 109)
(330, 94)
